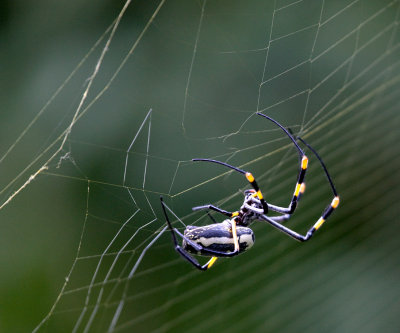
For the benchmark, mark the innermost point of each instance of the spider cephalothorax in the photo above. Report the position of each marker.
(250, 210)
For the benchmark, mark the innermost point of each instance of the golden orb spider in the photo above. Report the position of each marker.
(233, 236)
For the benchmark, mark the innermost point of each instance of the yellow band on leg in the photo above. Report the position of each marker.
(304, 162)
(211, 262)
(249, 177)
(335, 202)
(319, 223)
(297, 190)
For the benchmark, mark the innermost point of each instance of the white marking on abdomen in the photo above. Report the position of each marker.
(207, 241)
(248, 239)
(245, 238)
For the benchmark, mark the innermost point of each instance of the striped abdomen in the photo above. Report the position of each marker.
(217, 237)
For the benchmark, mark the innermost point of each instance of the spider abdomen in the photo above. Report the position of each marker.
(217, 237)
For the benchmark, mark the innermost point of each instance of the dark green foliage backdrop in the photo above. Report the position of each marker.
(330, 70)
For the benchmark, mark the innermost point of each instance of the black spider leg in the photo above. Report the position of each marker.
(214, 208)
(274, 221)
(248, 176)
(322, 164)
(178, 248)
(287, 216)
(198, 247)
(300, 185)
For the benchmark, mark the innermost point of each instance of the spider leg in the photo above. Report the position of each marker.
(179, 249)
(299, 191)
(302, 186)
(322, 164)
(250, 178)
(281, 218)
(214, 208)
(274, 221)
(198, 247)
(300, 179)
(299, 188)
(285, 217)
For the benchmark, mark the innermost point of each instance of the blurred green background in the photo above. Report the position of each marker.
(330, 70)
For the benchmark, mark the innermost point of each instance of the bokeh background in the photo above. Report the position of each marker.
(329, 70)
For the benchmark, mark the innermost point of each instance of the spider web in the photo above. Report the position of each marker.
(167, 82)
